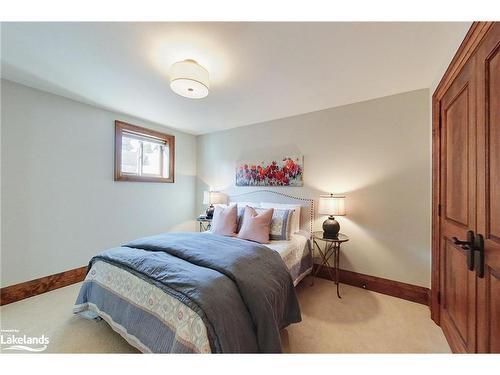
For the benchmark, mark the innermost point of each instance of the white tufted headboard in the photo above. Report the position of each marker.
(271, 196)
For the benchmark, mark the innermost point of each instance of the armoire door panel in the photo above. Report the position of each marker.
(493, 148)
(488, 189)
(458, 201)
(457, 140)
(455, 298)
(492, 308)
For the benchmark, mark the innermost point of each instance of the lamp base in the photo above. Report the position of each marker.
(210, 211)
(331, 228)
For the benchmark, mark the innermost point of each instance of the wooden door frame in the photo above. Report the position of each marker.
(470, 43)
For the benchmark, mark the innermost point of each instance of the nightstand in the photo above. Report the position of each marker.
(331, 247)
(205, 223)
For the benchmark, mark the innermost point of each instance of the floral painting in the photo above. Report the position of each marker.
(285, 171)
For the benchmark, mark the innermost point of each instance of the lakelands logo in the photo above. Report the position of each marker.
(12, 340)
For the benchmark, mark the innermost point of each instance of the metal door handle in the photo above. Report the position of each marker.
(479, 255)
(469, 246)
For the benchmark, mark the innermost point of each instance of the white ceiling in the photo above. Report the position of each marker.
(258, 71)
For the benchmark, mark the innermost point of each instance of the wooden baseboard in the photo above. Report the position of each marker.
(45, 284)
(393, 288)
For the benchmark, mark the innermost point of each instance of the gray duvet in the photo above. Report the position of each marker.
(242, 290)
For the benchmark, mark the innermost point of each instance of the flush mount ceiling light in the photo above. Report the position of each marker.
(189, 79)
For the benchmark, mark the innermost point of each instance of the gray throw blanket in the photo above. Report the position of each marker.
(242, 290)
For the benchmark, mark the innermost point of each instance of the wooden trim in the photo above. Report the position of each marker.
(409, 292)
(470, 43)
(45, 284)
(435, 211)
(120, 126)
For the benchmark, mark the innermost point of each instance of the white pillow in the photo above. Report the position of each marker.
(295, 221)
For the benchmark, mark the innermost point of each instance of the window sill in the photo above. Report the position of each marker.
(144, 179)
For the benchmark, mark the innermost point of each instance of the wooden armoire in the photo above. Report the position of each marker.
(465, 297)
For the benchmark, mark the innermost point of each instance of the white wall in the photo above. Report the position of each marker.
(60, 204)
(377, 152)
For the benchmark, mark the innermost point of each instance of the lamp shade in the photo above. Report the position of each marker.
(331, 205)
(213, 197)
(189, 79)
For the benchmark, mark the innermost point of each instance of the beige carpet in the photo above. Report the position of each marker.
(360, 322)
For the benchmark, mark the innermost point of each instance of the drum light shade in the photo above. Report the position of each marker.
(213, 197)
(331, 205)
(189, 79)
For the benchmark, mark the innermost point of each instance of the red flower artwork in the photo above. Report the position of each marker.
(286, 172)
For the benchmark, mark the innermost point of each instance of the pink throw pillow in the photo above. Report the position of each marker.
(225, 220)
(256, 227)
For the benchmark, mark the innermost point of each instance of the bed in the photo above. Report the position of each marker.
(201, 292)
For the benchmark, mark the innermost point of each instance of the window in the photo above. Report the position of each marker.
(142, 154)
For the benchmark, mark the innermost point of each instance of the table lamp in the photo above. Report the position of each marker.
(211, 198)
(331, 205)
